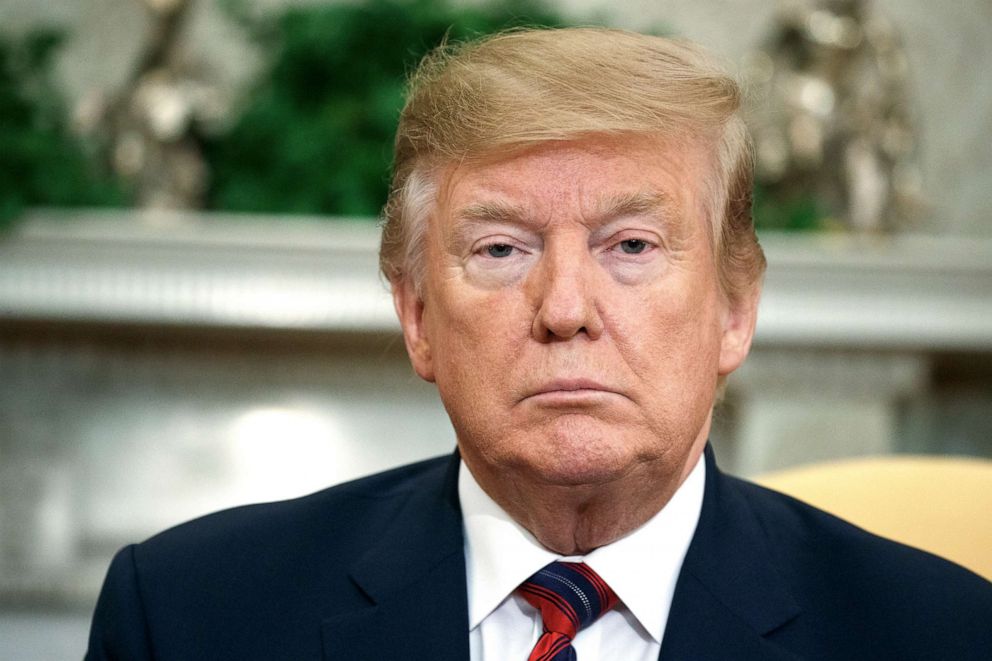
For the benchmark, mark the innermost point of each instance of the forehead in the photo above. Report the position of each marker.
(582, 175)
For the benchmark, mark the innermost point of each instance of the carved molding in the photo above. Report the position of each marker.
(918, 293)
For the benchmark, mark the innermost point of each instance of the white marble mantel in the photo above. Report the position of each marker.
(924, 293)
(916, 293)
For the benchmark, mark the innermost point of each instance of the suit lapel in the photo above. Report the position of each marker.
(728, 599)
(729, 596)
(414, 578)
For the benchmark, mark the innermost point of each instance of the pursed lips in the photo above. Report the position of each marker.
(571, 389)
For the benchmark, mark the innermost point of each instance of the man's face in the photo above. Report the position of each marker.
(571, 313)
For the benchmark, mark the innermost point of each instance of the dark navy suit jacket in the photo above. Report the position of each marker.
(375, 569)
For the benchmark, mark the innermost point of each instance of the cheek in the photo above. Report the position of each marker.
(669, 338)
(476, 361)
(474, 338)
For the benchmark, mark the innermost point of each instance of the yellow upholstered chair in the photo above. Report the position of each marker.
(942, 505)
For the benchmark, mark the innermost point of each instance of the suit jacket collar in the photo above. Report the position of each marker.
(728, 599)
(414, 578)
(729, 596)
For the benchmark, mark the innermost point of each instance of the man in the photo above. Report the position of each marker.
(573, 263)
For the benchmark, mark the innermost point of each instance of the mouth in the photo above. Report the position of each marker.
(571, 392)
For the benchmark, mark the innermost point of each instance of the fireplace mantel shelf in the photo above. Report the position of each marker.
(236, 272)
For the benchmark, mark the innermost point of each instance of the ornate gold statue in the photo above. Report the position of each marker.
(831, 117)
(151, 129)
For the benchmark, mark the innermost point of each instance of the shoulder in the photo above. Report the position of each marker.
(255, 578)
(837, 570)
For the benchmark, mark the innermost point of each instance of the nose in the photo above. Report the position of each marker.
(566, 296)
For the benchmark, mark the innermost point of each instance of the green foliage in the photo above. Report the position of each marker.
(41, 163)
(316, 136)
(775, 211)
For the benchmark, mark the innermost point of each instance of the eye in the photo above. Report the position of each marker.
(499, 250)
(633, 246)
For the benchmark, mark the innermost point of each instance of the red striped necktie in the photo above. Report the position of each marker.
(570, 596)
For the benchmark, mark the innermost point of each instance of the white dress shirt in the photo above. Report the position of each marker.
(642, 569)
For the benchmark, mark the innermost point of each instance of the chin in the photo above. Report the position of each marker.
(575, 475)
(576, 456)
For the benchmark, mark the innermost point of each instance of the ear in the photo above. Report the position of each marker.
(410, 309)
(739, 319)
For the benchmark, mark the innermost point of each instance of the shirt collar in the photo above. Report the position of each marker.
(642, 568)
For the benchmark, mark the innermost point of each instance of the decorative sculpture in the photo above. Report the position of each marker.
(831, 117)
(151, 130)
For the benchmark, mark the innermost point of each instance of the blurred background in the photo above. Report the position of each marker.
(190, 314)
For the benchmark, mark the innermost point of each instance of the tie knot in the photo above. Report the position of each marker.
(570, 596)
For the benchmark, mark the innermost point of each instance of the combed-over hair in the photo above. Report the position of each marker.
(523, 87)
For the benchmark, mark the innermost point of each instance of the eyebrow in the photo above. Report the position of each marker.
(481, 213)
(652, 203)
(491, 212)
(614, 206)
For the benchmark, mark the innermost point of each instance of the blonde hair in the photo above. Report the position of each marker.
(522, 87)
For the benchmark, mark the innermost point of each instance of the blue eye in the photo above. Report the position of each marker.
(633, 246)
(499, 250)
